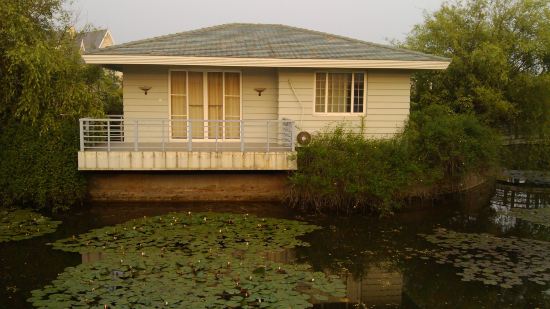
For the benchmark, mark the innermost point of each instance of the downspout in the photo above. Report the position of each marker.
(299, 101)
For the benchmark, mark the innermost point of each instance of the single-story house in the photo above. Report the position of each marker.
(240, 97)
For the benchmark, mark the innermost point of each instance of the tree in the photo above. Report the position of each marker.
(45, 88)
(42, 73)
(500, 69)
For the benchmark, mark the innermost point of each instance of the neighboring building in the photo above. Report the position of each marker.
(88, 41)
(235, 97)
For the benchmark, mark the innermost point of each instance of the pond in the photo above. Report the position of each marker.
(485, 248)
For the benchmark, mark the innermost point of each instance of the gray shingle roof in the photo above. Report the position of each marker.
(91, 40)
(263, 41)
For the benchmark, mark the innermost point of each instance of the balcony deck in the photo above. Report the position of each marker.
(223, 146)
(138, 145)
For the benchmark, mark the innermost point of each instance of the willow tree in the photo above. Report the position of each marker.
(45, 87)
(500, 69)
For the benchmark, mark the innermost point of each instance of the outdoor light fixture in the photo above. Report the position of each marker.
(259, 90)
(145, 89)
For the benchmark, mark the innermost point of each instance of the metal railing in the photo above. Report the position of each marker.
(115, 133)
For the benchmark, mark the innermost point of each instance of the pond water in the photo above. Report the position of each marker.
(470, 250)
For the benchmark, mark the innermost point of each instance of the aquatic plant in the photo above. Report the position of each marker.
(539, 216)
(24, 224)
(202, 260)
(504, 262)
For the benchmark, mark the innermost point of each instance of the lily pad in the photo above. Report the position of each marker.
(23, 224)
(492, 260)
(185, 260)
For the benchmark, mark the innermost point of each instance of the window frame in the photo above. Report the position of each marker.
(205, 72)
(352, 113)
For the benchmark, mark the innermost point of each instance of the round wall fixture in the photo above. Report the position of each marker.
(303, 138)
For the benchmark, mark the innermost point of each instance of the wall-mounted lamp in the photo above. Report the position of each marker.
(145, 89)
(259, 90)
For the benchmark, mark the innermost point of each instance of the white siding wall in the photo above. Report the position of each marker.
(262, 107)
(137, 105)
(388, 98)
(155, 104)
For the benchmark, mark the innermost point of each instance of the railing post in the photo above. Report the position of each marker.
(108, 135)
(162, 129)
(136, 137)
(217, 130)
(291, 135)
(241, 129)
(81, 134)
(189, 135)
(267, 129)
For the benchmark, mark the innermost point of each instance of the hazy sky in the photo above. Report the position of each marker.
(371, 20)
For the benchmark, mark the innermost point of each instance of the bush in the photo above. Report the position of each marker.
(342, 171)
(534, 156)
(451, 145)
(39, 170)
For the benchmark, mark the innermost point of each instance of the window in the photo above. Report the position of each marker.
(339, 92)
(209, 96)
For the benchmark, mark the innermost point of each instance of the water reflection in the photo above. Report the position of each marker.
(508, 197)
(91, 257)
(379, 286)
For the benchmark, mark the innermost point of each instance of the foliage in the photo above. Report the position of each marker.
(533, 156)
(345, 172)
(24, 224)
(451, 144)
(202, 260)
(40, 170)
(500, 69)
(46, 88)
(42, 72)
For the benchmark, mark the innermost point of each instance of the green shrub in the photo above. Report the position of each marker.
(39, 169)
(534, 157)
(449, 144)
(342, 171)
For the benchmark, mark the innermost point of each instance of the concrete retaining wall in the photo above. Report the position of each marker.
(199, 186)
(197, 160)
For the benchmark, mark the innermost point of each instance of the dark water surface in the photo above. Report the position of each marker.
(366, 252)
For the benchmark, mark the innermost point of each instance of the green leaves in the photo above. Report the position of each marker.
(494, 45)
(24, 224)
(341, 171)
(203, 260)
(46, 87)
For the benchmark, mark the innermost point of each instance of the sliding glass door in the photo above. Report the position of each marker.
(206, 98)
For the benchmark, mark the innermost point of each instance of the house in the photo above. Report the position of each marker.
(237, 97)
(90, 40)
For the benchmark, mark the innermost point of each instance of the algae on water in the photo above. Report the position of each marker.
(23, 224)
(185, 260)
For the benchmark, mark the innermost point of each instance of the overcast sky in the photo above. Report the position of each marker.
(371, 20)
